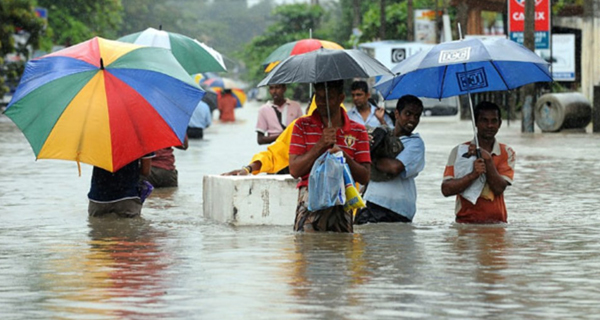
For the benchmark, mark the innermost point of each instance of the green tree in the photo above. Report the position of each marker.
(72, 24)
(18, 18)
(292, 22)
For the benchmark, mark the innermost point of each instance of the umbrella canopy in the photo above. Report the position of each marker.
(325, 65)
(193, 55)
(220, 83)
(297, 47)
(217, 84)
(465, 66)
(103, 102)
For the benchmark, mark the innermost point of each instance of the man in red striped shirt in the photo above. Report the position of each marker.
(331, 132)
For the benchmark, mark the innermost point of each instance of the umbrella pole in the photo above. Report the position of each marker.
(328, 112)
(474, 126)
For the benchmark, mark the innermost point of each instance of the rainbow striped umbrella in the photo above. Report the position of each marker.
(104, 103)
(297, 47)
(218, 84)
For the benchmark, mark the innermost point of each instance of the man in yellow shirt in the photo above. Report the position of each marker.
(276, 157)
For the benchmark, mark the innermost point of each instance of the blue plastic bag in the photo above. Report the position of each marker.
(326, 183)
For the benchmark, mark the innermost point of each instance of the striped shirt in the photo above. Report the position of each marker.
(352, 137)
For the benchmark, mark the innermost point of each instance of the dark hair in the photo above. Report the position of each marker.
(408, 100)
(486, 105)
(360, 85)
(337, 85)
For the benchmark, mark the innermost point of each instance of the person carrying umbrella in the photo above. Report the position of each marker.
(121, 192)
(328, 129)
(479, 183)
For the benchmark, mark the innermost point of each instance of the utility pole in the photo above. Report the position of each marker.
(382, 20)
(528, 91)
(590, 66)
(357, 15)
(410, 23)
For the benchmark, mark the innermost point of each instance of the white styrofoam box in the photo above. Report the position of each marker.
(250, 200)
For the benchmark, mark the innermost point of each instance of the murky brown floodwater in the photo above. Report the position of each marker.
(544, 264)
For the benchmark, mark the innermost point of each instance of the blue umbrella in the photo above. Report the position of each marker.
(464, 67)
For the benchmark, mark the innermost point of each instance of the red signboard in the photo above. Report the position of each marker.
(516, 11)
(516, 22)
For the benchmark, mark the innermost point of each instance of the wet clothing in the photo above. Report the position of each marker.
(163, 173)
(200, 120)
(127, 208)
(489, 208)
(399, 195)
(161, 178)
(227, 103)
(373, 213)
(351, 137)
(372, 120)
(116, 190)
(334, 219)
(270, 123)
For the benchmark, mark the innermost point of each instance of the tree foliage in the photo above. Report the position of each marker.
(292, 22)
(18, 18)
(72, 23)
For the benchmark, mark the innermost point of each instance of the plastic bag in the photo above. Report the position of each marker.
(326, 183)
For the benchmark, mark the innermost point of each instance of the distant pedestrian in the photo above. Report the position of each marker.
(163, 173)
(364, 112)
(227, 104)
(200, 120)
(274, 116)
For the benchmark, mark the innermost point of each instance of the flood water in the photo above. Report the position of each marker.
(173, 264)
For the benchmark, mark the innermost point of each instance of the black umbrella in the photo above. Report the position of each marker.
(325, 65)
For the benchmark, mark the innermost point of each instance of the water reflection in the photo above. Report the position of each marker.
(122, 273)
(324, 270)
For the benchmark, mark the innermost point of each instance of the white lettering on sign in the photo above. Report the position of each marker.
(522, 2)
(458, 55)
(520, 16)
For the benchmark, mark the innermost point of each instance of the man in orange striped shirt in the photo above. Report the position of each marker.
(479, 187)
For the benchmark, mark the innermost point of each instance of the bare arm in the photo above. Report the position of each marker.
(146, 164)
(262, 139)
(493, 178)
(254, 166)
(455, 186)
(389, 165)
(185, 144)
(361, 172)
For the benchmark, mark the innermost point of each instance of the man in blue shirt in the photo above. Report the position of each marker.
(200, 120)
(364, 112)
(395, 200)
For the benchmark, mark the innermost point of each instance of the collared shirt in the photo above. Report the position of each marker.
(202, 117)
(400, 193)
(352, 137)
(372, 120)
(268, 122)
(489, 208)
